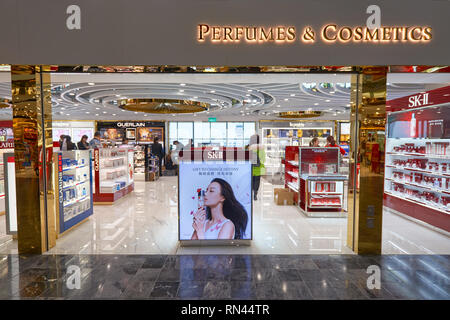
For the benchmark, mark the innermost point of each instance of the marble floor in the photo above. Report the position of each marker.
(145, 222)
(222, 277)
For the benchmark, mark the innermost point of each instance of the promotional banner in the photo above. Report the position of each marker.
(215, 200)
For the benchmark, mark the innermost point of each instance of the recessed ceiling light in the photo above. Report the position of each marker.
(348, 105)
(247, 95)
(76, 104)
(67, 114)
(330, 109)
(71, 94)
(249, 90)
(145, 115)
(96, 114)
(286, 99)
(181, 90)
(182, 84)
(97, 108)
(113, 114)
(135, 112)
(123, 110)
(104, 112)
(327, 100)
(63, 108)
(332, 91)
(278, 106)
(118, 95)
(212, 91)
(87, 111)
(91, 83)
(292, 94)
(316, 104)
(195, 97)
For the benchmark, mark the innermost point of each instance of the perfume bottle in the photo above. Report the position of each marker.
(200, 198)
(412, 128)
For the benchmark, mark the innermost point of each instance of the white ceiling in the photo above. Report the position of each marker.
(93, 96)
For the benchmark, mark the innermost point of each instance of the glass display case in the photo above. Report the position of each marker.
(314, 174)
(114, 173)
(139, 162)
(417, 170)
(275, 141)
(75, 201)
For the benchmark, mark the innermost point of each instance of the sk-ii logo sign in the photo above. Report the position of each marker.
(215, 155)
(418, 100)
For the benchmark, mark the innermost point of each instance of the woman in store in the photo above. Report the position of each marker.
(258, 168)
(222, 216)
(314, 142)
(332, 143)
(83, 144)
(70, 145)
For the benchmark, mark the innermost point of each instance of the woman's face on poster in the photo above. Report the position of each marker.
(213, 195)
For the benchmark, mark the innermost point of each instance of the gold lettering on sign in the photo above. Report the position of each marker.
(330, 33)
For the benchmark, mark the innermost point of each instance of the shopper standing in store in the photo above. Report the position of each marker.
(83, 144)
(258, 159)
(69, 144)
(157, 150)
(62, 143)
(314, 142)
(176, 153)
(331, 143)
(95, 142)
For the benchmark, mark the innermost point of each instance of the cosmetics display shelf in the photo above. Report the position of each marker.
(403, 197)
(293, 174)
(114, 174)
(292, 186)
(417, 170)
(74, 180)
(434, 173)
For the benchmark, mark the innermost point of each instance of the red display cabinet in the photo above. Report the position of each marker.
(291, 175)
(417, 170)
(313, 174)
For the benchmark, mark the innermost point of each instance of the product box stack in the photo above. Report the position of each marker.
(283, 196)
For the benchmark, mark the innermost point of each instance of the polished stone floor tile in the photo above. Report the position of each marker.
(218, 274)
(224, 277)
(191, 289)
(217, 290)
(156, 261)
(312, 275)
(165, 290)
(193, 274)
(349, 291)
(243, 289)
(147, 275)
(266, 275)
(269, 290)
(322, 290)
(169, 275)
(295, 290)
(242, 274)
(288, 275)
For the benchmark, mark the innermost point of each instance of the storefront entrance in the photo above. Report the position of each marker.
(145, 219)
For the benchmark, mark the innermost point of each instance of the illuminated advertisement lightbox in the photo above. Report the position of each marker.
(215, 200)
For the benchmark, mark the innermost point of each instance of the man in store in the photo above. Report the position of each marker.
(95, 142)
(157, 150)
